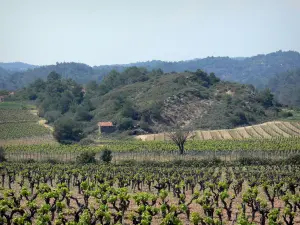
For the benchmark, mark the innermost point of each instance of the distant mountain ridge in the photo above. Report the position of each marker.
(16, 66)
(256, 70)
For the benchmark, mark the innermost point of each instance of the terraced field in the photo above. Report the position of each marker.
(266, 130)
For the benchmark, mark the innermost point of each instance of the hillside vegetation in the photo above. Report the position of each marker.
(152, 101)
(256, 70)
(139, 101)
(4, 79)
(76, 71)
(62, 104)
(286, 87)
(16, 66)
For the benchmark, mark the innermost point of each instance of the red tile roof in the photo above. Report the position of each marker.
(105, 124)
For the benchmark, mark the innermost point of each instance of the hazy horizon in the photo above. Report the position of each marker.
(232, 57)
(105, 33)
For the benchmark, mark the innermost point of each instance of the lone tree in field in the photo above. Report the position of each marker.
(179, 137)
(2, 155)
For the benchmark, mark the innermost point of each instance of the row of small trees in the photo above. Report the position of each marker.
(89, 157)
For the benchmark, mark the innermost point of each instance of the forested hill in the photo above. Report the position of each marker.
(157, 101)
(256, 70)
(16, 66)
(4, 77)
(286, 87)
(81, 73)
(139, 101)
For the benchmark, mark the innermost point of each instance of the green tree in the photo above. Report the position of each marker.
(82, 114)
(52, 116)
(106, 156)
(53, 77)
(66, 131)
(86, 157)
(2, 154)
(64, 101)
(125, 124)
(266, 98)
(91, 86)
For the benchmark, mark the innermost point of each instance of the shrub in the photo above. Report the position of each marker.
(254, 161)
(211, 162)
(145, 126)
(67, 131)
(86, 157)
(128, 162)
(125, 124)
(2, 155)
(295, 159)
(86, 141)
(52, 161)
(285, 114)
(106, 156)
(28, 161)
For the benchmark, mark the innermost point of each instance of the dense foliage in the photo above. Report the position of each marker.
(106, 156)
(286, 88)
(61, 102)
(67, 131)
(2, 154)
(4, 79)
(86, 157)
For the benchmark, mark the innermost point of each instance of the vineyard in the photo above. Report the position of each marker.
(265, 130)
(276, 148)
(19, 123)
(109, 194)
(16, 116)
(16, 105)
(36, 140)
(19, 130)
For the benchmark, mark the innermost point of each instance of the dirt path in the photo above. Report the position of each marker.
(34, 112)
(42, 122)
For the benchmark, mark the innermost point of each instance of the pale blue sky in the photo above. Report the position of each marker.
(100, 32)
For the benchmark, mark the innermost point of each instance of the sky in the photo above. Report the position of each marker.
(100, 32)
